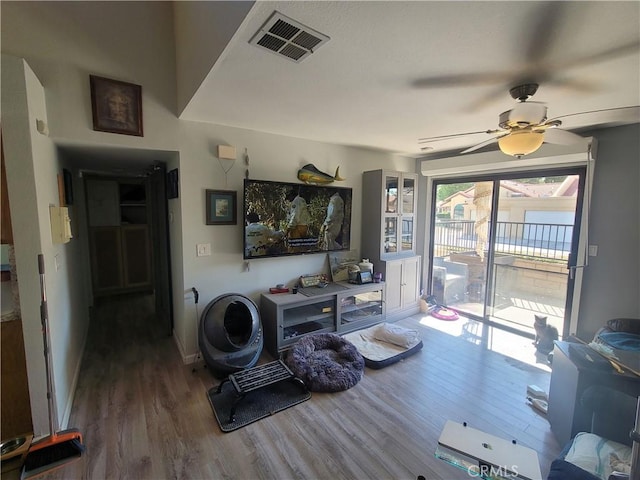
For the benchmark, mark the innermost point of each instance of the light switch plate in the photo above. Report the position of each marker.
(203, 249)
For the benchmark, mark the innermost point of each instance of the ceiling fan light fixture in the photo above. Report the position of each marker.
(521, 142)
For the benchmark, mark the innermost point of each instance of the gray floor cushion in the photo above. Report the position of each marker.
(326, 362)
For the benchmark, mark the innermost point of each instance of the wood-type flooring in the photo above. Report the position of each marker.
(145, 415)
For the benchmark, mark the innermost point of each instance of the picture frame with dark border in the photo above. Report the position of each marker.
(68, 186)
(172, 183)
(116, 106)
(221, 207)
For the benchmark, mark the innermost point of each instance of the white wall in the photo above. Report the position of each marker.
(65, 42)
(272, 157)
(611, 285)
(32, 165)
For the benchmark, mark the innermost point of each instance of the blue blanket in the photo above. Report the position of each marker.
(621, 340)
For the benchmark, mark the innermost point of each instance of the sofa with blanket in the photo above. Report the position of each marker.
(604, 453)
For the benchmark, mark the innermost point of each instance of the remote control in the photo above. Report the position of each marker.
(536, 392)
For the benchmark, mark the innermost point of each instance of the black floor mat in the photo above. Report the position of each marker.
(256, 404)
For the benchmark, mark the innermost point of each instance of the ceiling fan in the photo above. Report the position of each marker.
(523, 129)
(540, 57)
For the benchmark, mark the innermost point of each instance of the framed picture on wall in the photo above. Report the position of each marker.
(68, 186)
(116, 106)
(221, 207)
(172, 183)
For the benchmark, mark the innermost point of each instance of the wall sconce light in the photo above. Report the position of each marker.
(226, 152)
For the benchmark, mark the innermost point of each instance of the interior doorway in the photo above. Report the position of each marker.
(128, 237)
(502, 245)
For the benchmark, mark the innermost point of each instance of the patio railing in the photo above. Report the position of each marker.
(533, 240)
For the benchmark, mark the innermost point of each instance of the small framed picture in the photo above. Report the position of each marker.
(365, 277)
(116, 106)
(172, 183)
(68, 187)
(221, 207)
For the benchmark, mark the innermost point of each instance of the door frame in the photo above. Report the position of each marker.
(158, 235)
(495, 162)
(496, 179)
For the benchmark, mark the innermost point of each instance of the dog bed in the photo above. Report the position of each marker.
(385, 344)
(325, 362)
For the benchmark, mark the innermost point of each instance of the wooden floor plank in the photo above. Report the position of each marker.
(145, 415)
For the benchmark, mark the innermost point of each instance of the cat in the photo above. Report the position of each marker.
(539, 324)
(545, 335)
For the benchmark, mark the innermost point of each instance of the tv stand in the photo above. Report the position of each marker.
(287, 317)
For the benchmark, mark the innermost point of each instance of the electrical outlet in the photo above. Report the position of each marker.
(593, 250)
(203, 249)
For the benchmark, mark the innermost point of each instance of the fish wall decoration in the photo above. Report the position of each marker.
(310, 174)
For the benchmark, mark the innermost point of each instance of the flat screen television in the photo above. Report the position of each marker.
(295, 218)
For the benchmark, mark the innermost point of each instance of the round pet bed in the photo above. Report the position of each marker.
(326, 362)
(444, 314)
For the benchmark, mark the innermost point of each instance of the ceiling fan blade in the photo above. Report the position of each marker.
(539, 40)
(545, 30)
(630, 114)
(601, 56)
(461, 80)
(483, 144)
(558, 136)
(453, 135)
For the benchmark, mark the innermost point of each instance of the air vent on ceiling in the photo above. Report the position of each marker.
(288, 38)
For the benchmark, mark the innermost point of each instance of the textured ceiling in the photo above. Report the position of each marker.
(393, 72)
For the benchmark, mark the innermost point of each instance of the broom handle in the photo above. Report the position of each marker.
(45, 341)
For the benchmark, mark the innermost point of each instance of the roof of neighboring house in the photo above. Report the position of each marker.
(567, 188)
(465, 193)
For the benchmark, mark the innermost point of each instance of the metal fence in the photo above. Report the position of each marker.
(533, 240)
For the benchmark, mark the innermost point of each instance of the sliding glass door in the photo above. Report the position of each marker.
(501, 245)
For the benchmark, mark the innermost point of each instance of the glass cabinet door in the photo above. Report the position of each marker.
(391, 194)
(305, 319)
(360, 309)
(407, 214)
(408, 190)
(406, 245)
(391, 234)
(399, 213)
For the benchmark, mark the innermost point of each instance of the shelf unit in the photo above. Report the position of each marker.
(360, 309)
(133, 203)
(390, 229)
(119, 240)
(389, 237)
(287, 317)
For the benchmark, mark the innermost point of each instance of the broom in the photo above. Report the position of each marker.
(59, 448)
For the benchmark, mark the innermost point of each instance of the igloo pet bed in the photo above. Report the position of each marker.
(325, 362)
